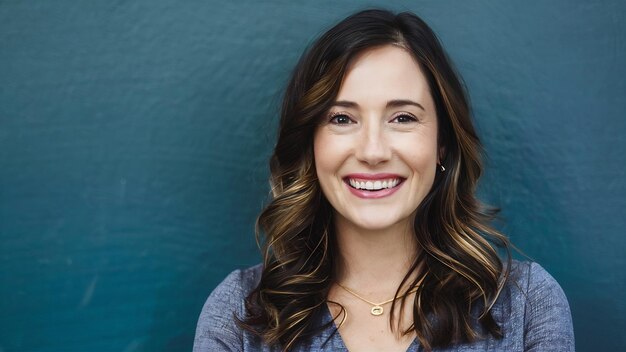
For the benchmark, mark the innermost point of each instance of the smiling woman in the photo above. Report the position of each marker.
(374, 239)
(383, 130)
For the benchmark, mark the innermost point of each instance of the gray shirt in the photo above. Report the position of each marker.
(532, 311)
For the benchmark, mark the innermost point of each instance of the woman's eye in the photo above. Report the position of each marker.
(341, 120)
(404, 118)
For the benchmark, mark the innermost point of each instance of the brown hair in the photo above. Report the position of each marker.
(461, 268)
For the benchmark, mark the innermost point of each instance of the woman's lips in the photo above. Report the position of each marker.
(373, 186)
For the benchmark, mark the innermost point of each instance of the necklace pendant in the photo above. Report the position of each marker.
(377, 310)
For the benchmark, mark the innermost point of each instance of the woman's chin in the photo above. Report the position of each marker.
(376, 222)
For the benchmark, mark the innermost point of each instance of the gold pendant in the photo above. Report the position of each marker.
(377, 310)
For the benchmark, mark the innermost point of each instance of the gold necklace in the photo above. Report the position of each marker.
(377, 308)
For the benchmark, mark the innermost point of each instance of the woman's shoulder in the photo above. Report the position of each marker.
(217, 328)
(529, 277)
(534, 300)
(239, 282)
(231, 292)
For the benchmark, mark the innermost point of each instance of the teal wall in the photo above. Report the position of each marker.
(134, 137)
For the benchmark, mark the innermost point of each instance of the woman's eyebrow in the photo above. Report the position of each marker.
(391, 103)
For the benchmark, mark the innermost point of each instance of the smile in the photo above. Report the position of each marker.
(373, 186)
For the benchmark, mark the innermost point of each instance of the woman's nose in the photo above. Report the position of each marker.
(373, 147)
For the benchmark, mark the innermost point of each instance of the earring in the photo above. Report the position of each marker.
(442, 168)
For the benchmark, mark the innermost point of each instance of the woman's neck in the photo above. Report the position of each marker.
(374, 261)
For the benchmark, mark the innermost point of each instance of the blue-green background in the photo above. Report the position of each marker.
(134, 137)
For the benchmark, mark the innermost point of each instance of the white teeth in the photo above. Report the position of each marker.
(374, 185)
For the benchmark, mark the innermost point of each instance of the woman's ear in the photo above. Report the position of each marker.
(442, 154)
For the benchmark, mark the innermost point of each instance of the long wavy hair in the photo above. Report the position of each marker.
(459, 267)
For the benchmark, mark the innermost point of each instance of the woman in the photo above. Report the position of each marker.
(374, 238)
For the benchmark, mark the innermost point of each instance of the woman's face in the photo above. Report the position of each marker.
(376, 151)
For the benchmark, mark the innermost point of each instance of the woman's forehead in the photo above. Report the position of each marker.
(384, 74)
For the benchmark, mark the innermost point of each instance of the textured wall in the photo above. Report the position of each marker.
(134, 138)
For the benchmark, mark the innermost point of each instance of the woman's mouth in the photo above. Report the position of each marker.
(376, 185)
(371, 187)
